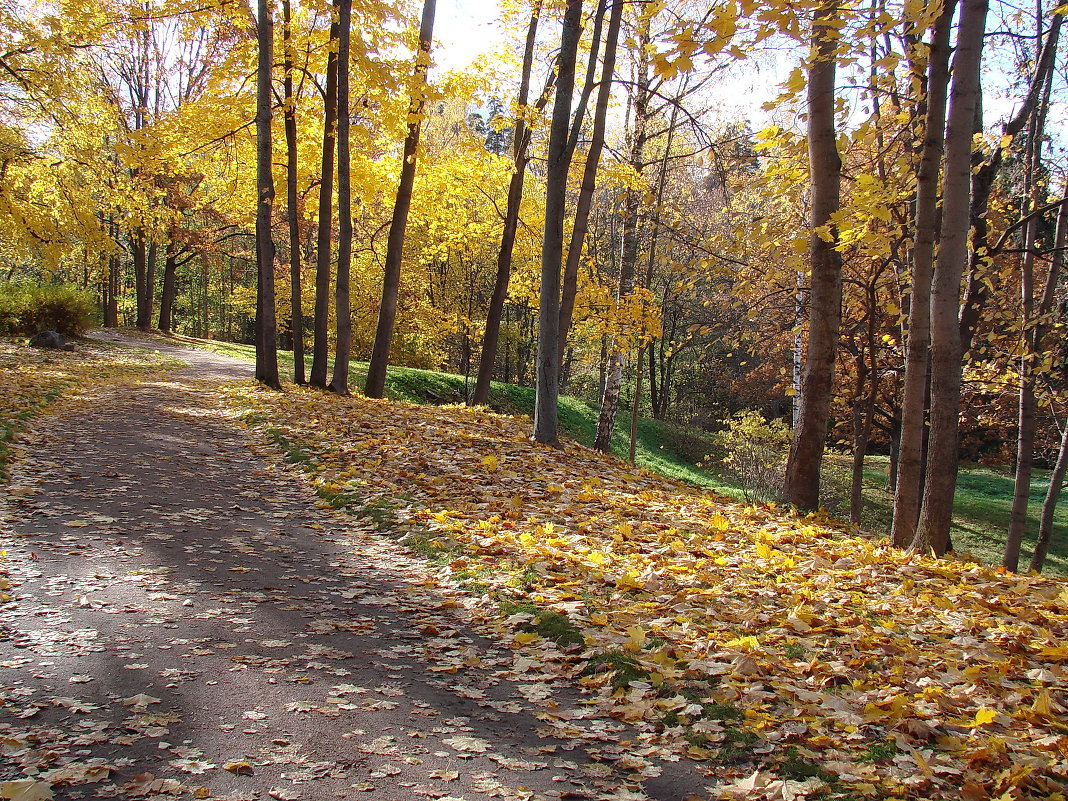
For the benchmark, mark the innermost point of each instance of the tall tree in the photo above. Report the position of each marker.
(1049, 505)
(339, 382)
(589, 176)
(387, 310)
(985, 172)
(296, 313)
(1032, 325)
(520, 144)
(1056, 479)
(825, 265)
(628, 257)
(932, 532)
(266, 328)
(914, 393)
(324, 235)
(552, 251)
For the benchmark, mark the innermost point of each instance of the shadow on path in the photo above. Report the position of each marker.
(186, 608)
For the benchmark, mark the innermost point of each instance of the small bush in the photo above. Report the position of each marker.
(26, 309)
(754, 454)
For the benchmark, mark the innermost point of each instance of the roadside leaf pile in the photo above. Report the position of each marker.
(794, 658)
(31, 378)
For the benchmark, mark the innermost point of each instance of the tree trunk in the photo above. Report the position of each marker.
(984, 174)
(150, 283)
(1049, 506)
(266, 327)
(321, 323)
(936, 512)
(825, 294)
(387, 311)
(140, 261)
(339, 382)
(628, 256)
(1031, 332)
(111, 297)
(296, 312)
(520, 141)
(606, 421)
(914, 394)
(166, 300)
(863, 416)
(111, 304)
(548, 365)
(1035, 344)
(589, 175)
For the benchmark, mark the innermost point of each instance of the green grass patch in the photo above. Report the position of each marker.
(623, 667)
(981, 509)
(798, 768)
(665, 448)
(549, 624)
(880, 752)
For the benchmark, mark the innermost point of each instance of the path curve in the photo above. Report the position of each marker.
(189, 621)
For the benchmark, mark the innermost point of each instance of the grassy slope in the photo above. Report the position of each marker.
(980, 512)
(982, 503)
(661, 447)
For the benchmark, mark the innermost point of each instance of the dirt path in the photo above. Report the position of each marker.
(189, 622)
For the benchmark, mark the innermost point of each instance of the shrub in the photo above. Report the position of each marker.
(26, 309)
(754, 454)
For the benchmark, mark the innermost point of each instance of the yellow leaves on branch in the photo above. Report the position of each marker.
(633, 319)
(901, 675)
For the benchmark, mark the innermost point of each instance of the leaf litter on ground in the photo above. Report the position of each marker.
(792, 657)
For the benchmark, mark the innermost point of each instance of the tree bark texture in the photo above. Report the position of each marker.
(266, 327)
(914, 393)
(140, 261)
(387, 310)
(1031, 330)
(936, 511)
(589, 175)
(324, 236)
(825, 293)
(1049, 505)
(520, 142)
(548, 359)
(628, 257)
(339, 382)
(296, 312)
(166, 300)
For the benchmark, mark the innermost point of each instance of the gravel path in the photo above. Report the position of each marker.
(189, 621)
